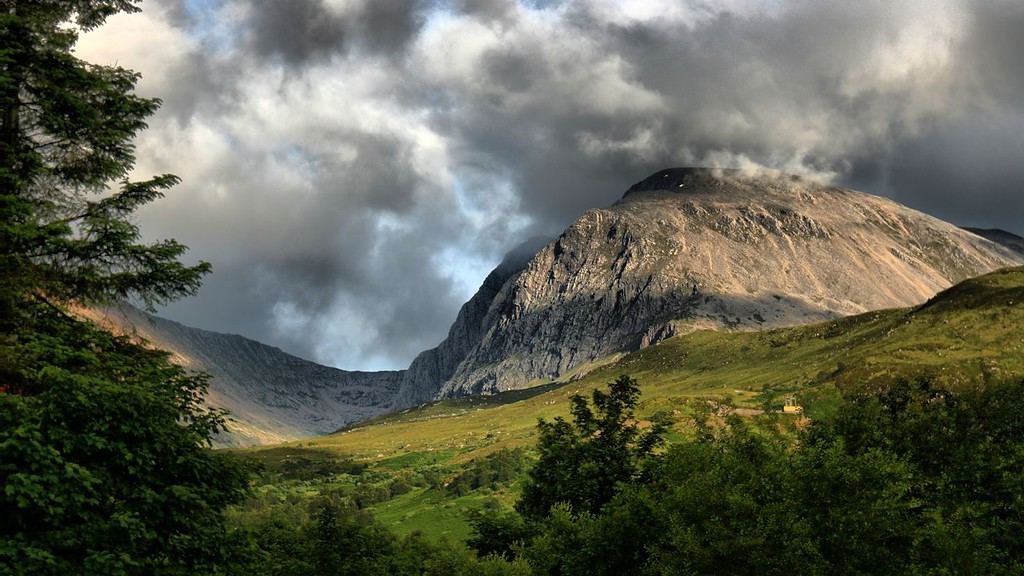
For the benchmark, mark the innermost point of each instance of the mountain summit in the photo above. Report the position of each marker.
(684, 249)
(696, 248)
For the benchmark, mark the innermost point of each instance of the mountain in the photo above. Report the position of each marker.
(684, 249)
(272, 396)
(691, 248)
(1008, 239)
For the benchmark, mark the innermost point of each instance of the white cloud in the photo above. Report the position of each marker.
(145, 42)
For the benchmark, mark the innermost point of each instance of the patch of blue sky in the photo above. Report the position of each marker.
(211, 24)
(465, 269)
(490, 211)
(445, 11)
(484, 206)
(298, 156)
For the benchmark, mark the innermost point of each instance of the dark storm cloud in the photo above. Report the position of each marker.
(388, 25)
(487, 10)
(969, 173)
(994, 50)
(300, 31)
(811, 87)
(967, 168)
(353, 168)
(782, 90)
(512, 71)
(317, 260)
(297, 31)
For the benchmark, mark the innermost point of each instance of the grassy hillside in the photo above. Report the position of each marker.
(969, 333)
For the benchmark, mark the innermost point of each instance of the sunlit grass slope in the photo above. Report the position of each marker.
(971, 333)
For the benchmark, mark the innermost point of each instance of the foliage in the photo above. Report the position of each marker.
(497, 532)
(339, 540)
(406, 494)
(915, 480)
(581, 464)
(491, 471)
(104, 457)
(912, 479)
(278, 464)
(967, 454)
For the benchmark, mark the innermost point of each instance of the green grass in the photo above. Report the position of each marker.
(427, 511)
(415, 459)
(971, 333)
(434, 513)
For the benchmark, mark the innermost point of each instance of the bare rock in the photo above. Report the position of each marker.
(690, 249)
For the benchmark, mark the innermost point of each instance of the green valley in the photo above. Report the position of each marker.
(969, 334)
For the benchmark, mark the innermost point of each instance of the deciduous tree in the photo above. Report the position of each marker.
(581, 464)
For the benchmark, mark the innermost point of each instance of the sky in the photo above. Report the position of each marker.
(353, 169)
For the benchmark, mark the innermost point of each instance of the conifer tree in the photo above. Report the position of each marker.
(67, 128)
(104, 459)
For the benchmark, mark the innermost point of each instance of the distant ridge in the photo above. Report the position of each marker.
(272, 396)
(1008, 239)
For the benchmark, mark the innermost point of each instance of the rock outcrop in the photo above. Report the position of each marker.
(422, 380)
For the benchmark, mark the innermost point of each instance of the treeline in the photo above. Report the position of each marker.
(492, 471)
(910, 480)
(331, 537)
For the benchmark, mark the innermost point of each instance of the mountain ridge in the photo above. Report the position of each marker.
(682, 250)
(963, 336)
(1009, 239)
(272, 396)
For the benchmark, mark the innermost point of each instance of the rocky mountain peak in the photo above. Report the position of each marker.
(693, 179)
(700, 248)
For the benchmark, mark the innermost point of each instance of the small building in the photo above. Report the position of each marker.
(791, 407)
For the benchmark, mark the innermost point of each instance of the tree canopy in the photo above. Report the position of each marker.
(581, 464)
(914, 479)
(66, 151)
(104, 458)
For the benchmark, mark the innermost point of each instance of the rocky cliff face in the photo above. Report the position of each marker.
(695, 248)
(684, 249)
(424, 377)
